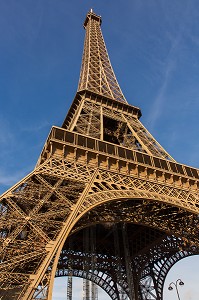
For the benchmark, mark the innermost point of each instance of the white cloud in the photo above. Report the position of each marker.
(12, 178)
(6, 133)
(35, 127)
(167, 69)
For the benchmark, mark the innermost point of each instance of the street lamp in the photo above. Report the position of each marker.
(178, 282)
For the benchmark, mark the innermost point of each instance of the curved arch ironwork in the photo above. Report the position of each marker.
(103, 280)
(150, 213)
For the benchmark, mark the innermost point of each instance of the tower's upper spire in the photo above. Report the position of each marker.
(96, 72)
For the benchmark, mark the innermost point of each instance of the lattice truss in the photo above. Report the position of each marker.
(96, 72)
(37, 213)
(111, 271)
(93, 119)
(32, 216)
(102, 168)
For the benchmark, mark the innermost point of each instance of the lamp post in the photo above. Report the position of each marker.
(178, 282)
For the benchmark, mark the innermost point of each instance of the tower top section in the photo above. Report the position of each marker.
(97, 74)
(92, 15)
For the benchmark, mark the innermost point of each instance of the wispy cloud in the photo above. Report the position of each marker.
(10, 179)
(171, 48)
(6, 134)
(167, 70)
(14, 161)
(35, 127)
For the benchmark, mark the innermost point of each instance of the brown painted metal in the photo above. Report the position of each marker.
(102, 169)
(96, 72)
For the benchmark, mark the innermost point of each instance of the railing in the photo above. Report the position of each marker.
(76, 139)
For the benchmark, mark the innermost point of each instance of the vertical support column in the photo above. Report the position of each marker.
(101, 124)
(94, 291)
(69, 287)
(128, 263)
(61, 240)
(70, 276)
(86, 285)
(76, 115)
(86, 289)
(90, 291)
(120, 292)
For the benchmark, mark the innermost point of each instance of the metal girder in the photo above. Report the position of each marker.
(151, 254)
(91, 117)
(96, 72)
(101, 168)
(35, 213)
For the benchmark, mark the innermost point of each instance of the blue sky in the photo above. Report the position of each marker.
(154, 49)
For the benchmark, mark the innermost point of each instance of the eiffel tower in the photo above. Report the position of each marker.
(105, 201)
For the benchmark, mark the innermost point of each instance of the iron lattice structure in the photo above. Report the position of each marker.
(101, 178)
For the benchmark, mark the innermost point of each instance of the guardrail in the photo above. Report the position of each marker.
(76, 139)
